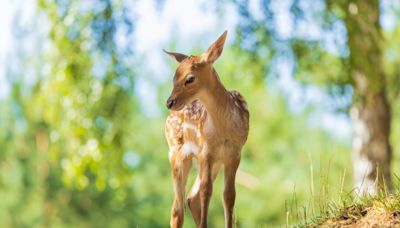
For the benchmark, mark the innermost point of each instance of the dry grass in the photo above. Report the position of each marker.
(378, 211)
(373, 216)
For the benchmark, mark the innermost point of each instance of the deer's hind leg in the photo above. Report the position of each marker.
(193, 199)
(181, 166)
(230, 169)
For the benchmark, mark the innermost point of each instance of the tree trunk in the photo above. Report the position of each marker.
(370, 111)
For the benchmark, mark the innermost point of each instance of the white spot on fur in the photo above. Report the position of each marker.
(190, 147)
(170, 154)
(190, 126)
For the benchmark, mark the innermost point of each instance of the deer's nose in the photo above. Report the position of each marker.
(170, 103)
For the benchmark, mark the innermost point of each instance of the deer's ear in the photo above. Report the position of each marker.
(215, 50)
(177, 56)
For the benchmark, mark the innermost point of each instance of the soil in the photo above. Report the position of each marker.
(373, 216)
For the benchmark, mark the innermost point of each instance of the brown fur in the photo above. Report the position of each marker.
(205, 116)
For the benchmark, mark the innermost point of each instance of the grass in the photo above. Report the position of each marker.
(382, 210)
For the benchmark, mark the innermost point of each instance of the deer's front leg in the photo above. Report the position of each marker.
(180, 169)
(206, 186)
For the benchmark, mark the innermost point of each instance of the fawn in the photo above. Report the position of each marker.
(206, 122)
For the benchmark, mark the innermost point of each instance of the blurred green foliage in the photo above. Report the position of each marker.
(77, 150)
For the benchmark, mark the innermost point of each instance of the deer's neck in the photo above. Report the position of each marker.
(216, 99)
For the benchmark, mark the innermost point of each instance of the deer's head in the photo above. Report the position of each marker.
(193, 74)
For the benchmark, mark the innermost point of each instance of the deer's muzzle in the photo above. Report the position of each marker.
(170, 103)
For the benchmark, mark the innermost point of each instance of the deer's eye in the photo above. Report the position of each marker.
(189, 80)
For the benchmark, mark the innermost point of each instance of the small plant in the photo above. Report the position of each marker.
(382, 209)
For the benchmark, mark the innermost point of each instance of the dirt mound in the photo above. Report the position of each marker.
(374, 216)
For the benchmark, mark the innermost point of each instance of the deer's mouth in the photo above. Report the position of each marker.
(175, 104)
(178, 106)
